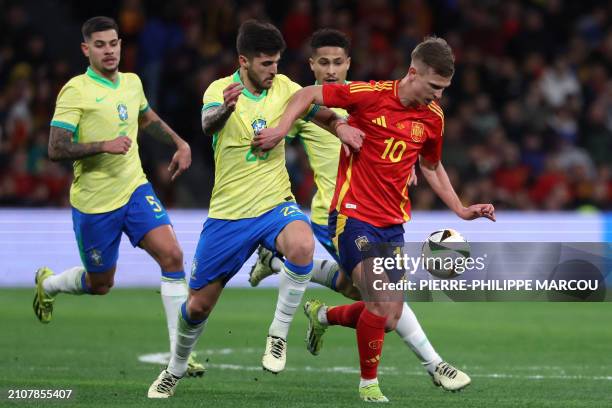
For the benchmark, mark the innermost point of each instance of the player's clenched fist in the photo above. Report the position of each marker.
(231, 94)
(120, 145)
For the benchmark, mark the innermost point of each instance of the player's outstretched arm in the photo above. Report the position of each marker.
(299, 102)
(61, 146)
(438, 179)
(214, 118)
(151, 123)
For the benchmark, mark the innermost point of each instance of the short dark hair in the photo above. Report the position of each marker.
(329, 37)
(256, 37)
(96, 24)
(437, 54)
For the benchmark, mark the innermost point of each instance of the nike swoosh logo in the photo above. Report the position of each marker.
(101, 99)
(160, 215)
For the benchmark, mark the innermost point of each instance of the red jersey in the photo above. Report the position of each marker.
(372, 185)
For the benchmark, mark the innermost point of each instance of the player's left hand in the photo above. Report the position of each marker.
(180, 161)
(267, 138)
(413, 177)
(477, 211)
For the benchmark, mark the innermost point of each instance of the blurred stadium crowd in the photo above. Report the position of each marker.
(528, 116)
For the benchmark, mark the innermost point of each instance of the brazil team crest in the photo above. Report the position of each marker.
(123, 111)
(258, 125)
(95, 257)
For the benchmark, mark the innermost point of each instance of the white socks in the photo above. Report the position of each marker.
(411, 332)
(173, 295)
(187, 336)
(365, 383)
(292, 284)
(323, 272)
(68, 281)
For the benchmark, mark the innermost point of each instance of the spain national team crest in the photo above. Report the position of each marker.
(123, 111)
(258, 125)
(95, 257)
(417, 132)
(362, 243)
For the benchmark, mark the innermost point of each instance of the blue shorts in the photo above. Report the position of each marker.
(99, 235)
(321, 233)
(353, 238)
(225, 245)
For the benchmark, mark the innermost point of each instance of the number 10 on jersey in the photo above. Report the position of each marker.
(394, 150)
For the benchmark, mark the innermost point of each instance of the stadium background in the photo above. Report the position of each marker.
(528, 127)
(528, 116)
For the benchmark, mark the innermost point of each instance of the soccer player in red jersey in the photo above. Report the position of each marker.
(402, 122)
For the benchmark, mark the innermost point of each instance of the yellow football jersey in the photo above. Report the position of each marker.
(246, 185)
(96, 109)
(323, 151)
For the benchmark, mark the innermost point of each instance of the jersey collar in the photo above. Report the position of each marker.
(100, 79)
(245, 91)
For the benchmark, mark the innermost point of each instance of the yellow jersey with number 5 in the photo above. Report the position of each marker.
(248, 185)
(96, 109)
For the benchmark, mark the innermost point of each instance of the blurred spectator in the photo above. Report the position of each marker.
(528, 116)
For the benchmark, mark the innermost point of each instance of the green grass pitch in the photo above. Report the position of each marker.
(518, 354)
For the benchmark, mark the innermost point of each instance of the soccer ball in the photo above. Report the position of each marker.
(444, 253)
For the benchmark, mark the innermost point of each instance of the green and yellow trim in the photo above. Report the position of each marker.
(64, 125)
(102, 80)
(245, 91)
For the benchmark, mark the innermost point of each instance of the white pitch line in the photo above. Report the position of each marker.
(163, 358)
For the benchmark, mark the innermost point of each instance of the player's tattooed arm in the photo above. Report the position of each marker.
(151, 123)
(214, 118)
(61, 146)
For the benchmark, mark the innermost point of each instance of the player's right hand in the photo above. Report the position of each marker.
(350, 136)
(231, 94)
(119, 145)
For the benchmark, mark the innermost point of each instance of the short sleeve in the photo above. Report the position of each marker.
(432, 148)
(144, 103)
(352, 97)
(68, 108)
(213, 96)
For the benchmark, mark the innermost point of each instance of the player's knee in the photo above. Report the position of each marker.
(100, 288)
(300, 252)
(198, 309)
(345, 287)
(100, 284)
(172, 259)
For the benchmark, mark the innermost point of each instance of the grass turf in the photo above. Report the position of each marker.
(518, 354)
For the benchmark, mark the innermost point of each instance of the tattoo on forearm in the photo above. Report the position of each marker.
(158, 129)
(213, 119)
(61, 146)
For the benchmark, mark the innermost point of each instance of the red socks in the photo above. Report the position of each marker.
(370, 338)
(346, 315)
(370, 333)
